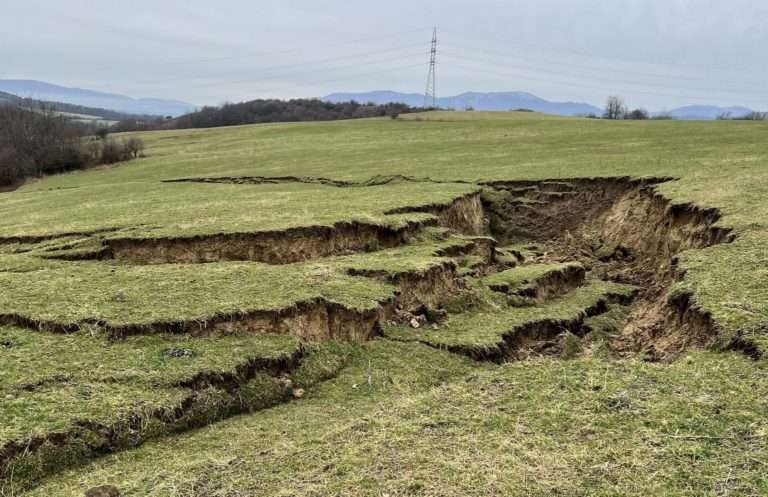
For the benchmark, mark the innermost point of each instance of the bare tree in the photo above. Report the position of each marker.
(34, 142)
(614, 108)
(134, 146)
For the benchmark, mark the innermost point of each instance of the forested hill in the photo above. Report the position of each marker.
(267, 111)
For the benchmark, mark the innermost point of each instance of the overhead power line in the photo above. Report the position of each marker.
(473, 65)
(272, 72)
(619, 76)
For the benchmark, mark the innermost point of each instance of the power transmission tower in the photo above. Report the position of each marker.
(430, 95)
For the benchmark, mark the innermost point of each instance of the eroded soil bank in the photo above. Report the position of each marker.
(621, 230)
(463, 215)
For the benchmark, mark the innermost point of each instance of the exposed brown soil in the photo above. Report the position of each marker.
(463, 215)
(621, 230)
(314, 320)
(43, 238)
(261, 180)
(271, 247)
(534, 337)
(432, 287)
(264, 180)
(552, 284)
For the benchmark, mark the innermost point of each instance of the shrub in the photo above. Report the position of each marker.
(113, 151)
(134, 147)
(637, 115)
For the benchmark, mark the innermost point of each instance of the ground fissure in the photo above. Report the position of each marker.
(620, 230)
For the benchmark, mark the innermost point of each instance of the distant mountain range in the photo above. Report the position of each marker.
(45, 91)
(500, 101)
(494, 101)
(477, 101)
(704, 112)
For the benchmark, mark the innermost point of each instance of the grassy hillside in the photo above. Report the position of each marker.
(437, 244)
(716, 164)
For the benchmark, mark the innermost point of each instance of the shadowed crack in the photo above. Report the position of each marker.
(260, 180)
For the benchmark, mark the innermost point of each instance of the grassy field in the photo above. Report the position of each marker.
(406, 413)
(403, 419)
(718, 164)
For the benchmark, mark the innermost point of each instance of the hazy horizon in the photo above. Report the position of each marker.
(655, 54)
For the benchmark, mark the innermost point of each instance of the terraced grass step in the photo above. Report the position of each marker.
(537, 281)
(497, 333)
(67, 398)
(338, 297)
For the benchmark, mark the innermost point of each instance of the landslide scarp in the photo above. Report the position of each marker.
(621, 230)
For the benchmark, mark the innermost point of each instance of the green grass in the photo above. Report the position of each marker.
(47, 382)
(484, 328)
(522, 277)
(124, 294)
(120, 294)
(157, 210)
(719, 164)
(403, 419)
(89, 397)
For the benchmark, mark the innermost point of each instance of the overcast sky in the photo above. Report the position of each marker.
(656, 53)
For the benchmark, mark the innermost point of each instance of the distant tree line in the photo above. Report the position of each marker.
(268, 111)
(40, 141)
(751, 116)
(616, 109)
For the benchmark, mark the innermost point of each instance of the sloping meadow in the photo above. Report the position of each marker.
(232, 270)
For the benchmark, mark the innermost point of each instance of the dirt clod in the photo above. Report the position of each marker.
(103, 491)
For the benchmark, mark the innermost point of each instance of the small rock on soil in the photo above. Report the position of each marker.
(178, 352)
